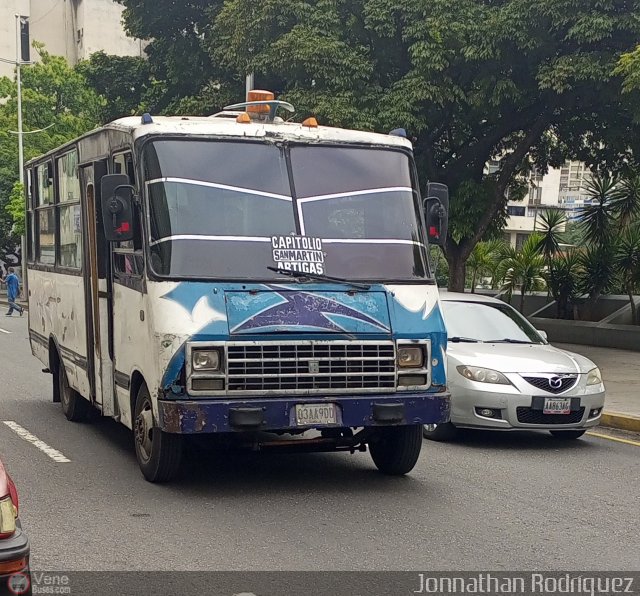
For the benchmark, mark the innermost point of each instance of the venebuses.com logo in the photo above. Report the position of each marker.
(18, 583)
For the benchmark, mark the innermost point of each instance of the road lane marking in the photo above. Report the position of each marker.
(617, 439)
(23, 433)
(4, 331)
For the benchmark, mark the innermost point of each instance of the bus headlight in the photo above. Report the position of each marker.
(410, 357)
(206, 360)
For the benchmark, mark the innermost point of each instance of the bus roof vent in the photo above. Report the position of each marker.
(146, 118)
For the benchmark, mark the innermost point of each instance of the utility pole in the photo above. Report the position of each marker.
(23, 243)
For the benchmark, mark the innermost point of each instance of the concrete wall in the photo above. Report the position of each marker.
(100, 26)
(625, 337)
(51, 23)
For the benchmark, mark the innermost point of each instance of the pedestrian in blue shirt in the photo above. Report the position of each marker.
(13, 291)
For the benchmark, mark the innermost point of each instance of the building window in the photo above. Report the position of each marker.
(520, 240)
(69, 212)
(517, 211)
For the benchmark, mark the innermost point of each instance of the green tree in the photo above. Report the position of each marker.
(598, 274)
(16, 209)
(564, 282)
(473, 80)
(186, 80)
(124, 82)
(484, 260)
(627, 260)
(54, 97)
(626, 203)
(598, 216)
(523, 269)
(552, 223)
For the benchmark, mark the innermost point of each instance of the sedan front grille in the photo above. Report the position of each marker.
(530, 416)
(553, 383)
(310, 367)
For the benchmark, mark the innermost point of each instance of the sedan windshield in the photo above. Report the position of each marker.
(486, 322)
(233, 210)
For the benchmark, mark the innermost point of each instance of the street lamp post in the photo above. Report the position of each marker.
(23, 244)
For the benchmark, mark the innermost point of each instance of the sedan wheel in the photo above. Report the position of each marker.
(440, 432)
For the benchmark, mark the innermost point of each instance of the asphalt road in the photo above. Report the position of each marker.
(494, 501)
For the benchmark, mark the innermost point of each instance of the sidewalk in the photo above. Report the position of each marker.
(621, 374)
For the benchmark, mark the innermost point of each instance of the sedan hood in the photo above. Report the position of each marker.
(519, 358)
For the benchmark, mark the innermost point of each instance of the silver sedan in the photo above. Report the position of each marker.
(503, 375)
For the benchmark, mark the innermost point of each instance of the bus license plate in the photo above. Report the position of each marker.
(308, 414)
(556, 406)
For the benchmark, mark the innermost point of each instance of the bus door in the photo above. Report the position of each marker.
(97, 292)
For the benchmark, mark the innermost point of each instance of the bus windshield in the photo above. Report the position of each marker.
(230, 210)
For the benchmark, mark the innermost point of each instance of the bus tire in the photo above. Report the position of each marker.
(159, 454)
(395, 449)
(74, 406)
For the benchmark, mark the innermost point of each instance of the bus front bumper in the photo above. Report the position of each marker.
(265, 414)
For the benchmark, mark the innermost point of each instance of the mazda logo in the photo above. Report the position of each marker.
(555, 382)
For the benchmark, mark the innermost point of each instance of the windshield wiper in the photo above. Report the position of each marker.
(507, 340)
(320, 277)
(466, 340)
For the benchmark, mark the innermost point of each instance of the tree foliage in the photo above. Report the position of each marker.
(472, 80)
(186, 80)
(124, 82)
(55, 98)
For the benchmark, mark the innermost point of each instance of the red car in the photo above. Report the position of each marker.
(14, 546)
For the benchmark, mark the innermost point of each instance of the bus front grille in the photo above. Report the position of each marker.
(311, 367)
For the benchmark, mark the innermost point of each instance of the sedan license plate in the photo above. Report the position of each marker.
(309, 414)
(556, 406)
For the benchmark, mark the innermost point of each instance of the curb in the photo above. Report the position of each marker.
(620, 421)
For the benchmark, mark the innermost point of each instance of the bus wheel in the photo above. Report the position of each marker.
(159, 454)
(395, 449)
(74, 406)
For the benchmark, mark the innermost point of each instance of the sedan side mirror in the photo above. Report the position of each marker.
(543, 334)
(117, 207)
(436, 211)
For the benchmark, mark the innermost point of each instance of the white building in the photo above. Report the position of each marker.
(560, 188)
(74, 29)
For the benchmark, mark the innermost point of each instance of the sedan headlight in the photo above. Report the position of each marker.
(483, 375)
(410, 357)
(206, 360)
(594, 377)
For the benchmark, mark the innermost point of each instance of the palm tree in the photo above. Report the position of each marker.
(523, 269)
(598, 273)
(628, 262)
(551, 228)
(627, 204)
(564, 281)
(483, 259)
(552, 225)
(597, 220)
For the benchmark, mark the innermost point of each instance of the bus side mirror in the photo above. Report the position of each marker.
(436, 212)
(117, 207)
